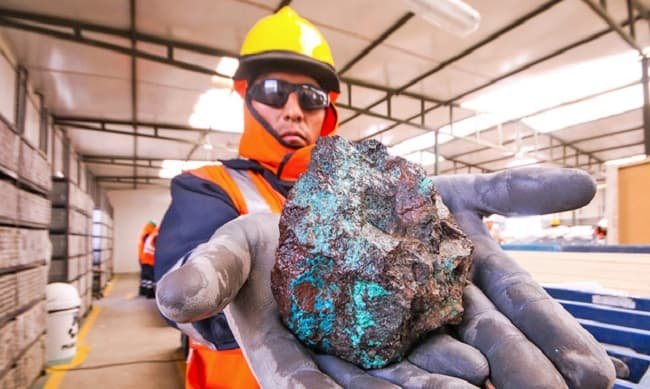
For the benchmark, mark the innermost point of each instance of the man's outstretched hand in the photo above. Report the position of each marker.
(528, 339)
(507, 310)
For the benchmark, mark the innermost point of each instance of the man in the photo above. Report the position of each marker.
(287, 79)
(285, 112)
(146, 260)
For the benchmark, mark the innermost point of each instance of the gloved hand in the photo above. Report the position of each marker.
(527, 337)
(233, 271)
(244, 249)
(506, 305)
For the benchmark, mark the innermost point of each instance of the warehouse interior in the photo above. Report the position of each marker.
(104, 102)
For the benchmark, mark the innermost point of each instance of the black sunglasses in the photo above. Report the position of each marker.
(276, 93)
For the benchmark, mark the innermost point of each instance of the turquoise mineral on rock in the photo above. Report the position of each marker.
(370, 259)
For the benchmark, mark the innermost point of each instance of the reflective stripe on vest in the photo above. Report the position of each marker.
(253, 199)
(206, 368)
(249, 191)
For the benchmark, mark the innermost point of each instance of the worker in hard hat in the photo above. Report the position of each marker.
(148, 283)
(288, 82)
(287, 79)
(146, 261)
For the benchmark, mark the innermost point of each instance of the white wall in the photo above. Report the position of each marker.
(131, 210)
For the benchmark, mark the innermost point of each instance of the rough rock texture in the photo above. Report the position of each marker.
(369, 258)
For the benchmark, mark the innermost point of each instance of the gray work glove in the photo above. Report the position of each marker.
(232, 272)
(507, 313)
(244, 250)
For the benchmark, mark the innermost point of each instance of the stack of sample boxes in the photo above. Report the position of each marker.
(24, 256)
(102, 250)
(71, 234)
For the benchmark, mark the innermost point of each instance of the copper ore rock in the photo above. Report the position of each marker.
(370, 259)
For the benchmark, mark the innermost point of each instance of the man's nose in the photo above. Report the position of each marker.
(291, 109)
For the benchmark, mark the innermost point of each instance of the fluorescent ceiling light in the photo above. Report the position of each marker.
(518, 98)
(599, 107)
(453, 16)
(446, 133)
(523, 96)
(423, 158)
(420, 142)
(173, 167)
(219, 109)
(228, 66)
(165, 173)
(626, 160)
(521, 162)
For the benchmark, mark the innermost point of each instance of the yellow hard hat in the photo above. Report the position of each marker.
(285, 41)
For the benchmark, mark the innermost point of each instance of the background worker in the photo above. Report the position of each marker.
(289, 85)
(149, 261)
(146, 262)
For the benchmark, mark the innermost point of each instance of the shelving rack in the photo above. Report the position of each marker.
(24, 254)
(71, 227)
(102, 249)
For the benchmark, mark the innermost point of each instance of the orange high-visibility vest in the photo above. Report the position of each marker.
(146, 231)
(227, 369)
(149, 249)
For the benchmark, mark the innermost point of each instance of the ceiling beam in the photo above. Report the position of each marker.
(9, 18)
(103, 157)
(78, 126)
(80, 26)
(559, 143)
(573, 141)
(394, 27)
(397, 121)
(119, 160)
(610, 148)
(77, 36)
(109, 178)
(613, 24)
(489, 39)
(283, 3)
(483, 42)
(12, 19)
(129, 164)
(122, 122)
(147, 180)
(568, 157)
(513, 72)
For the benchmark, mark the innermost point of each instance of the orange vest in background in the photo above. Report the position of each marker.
(149, 249)
(227, 369)
(146, 231)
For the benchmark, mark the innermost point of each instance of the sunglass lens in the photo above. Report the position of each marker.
(273, 93)
(276, 92)
(312, 98)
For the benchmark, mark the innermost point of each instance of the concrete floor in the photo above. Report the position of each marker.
(128, 345)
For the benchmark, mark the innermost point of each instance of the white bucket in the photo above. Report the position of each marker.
(63, 304)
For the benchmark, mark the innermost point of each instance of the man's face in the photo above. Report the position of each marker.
(296, 126)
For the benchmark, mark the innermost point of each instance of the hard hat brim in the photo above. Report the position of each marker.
(251, 66)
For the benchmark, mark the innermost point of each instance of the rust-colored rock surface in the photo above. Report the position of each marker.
(370, 259)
